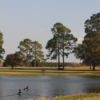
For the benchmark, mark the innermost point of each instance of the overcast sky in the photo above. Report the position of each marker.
(33, 19)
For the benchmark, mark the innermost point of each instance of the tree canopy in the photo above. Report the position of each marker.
(2, 50)
(37, 52)
(61, 43)
(13, 60)
(30, 50)
(25, 47)
(93, 24)
(89, 50)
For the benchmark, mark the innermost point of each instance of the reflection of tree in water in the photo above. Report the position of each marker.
(54, 86)
(58, 92)
(92, 89)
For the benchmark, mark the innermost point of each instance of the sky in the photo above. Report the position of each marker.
(33, 19)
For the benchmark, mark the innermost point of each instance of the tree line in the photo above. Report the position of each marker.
(62, 44)
(46, 64)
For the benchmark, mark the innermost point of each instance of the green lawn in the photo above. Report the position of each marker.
(71, 71)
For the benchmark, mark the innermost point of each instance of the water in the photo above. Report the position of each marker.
(46, 86)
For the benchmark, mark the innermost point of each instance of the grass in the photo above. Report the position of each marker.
(88, 96)
(69, 71)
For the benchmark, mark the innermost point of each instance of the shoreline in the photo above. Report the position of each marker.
(84, 96)
(6, 74)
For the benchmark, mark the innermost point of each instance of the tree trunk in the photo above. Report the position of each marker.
(93, 67)
(58, 59)
(35, 58)
(12, 67)
(90, 65)
(27, 61)
(27, 64)
(35, 63)
(93, 63)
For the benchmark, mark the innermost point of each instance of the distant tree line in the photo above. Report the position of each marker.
(50, 64)
(55, 64)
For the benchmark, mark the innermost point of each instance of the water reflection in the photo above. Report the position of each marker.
(46, 86)
(92, 89)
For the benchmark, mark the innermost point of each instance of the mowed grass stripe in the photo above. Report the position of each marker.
(49, 71)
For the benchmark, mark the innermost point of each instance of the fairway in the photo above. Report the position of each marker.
(71, 71)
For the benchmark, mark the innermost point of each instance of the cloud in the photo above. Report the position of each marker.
(5, 47)
(80, 40)
(44, 50)
(79, 34)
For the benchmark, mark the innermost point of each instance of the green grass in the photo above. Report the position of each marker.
(70, 71)
(89, 96)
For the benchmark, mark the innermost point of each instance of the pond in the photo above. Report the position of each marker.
(46, 86)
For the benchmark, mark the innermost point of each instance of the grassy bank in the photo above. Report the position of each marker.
(69, 71)
(89, 96)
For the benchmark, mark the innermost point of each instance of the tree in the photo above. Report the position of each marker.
(13, 60)
(1, 39)
(93, 24)
(37, 61)
(37, 53)
(92, 30)
(89, 50)
(2, 51)
(61, 43)
(25, 47)
(53, 49)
